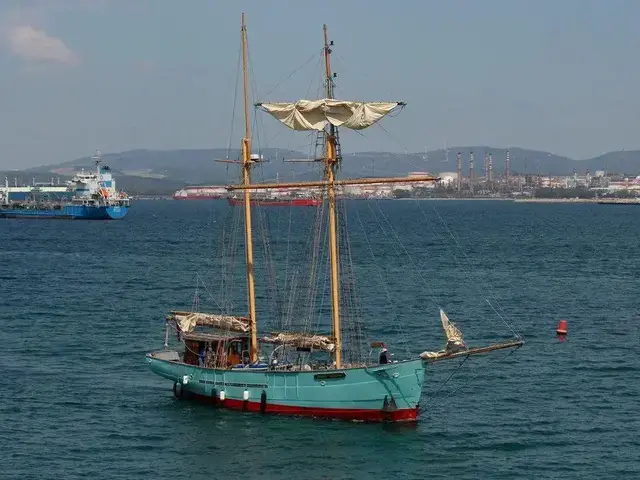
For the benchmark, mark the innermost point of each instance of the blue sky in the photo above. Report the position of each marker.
(80, 75)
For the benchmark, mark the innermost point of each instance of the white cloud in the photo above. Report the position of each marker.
(35, 45)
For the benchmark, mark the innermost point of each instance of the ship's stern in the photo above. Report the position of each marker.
(116, 212)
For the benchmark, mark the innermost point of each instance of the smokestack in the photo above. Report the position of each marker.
(490, 168)
(471, 172)
(459, 172)
(507, 168)
(485, 166)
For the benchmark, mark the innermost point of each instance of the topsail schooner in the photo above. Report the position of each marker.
(230, 366)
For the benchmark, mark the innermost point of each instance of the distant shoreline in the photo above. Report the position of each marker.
(452, 198)
(556, 200)
(609, 201)
(602, 201)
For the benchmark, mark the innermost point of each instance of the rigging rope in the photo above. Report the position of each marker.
(487, 289)
(272, 279)
(383, 282)
(352, 308)
(376, 78)
(431, 293)
(315, 53)
(235, 98)
(442, 385)
(500, 359)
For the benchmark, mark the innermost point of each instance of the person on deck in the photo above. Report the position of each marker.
(384, 356)
(233, 358)
(201, 356)
(209, 357)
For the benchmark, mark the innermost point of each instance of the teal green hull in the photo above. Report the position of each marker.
(389, 392)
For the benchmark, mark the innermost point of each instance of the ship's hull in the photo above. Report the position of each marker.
(203, 192)
(294, 202)
(388, 392)
(68, 212)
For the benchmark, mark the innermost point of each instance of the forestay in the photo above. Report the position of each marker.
(316, 114)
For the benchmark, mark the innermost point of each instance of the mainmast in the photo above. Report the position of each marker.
(325, 115)
(331, 162)
(246, 167)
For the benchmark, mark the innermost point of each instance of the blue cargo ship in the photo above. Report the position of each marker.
(87, 196)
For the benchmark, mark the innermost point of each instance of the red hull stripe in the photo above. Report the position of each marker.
(403, 415)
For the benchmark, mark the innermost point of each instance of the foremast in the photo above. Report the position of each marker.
(246, 180)
(331, 163)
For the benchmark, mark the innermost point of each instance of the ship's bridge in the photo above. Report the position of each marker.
(87, 184)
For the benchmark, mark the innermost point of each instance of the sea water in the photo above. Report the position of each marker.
(82, 302)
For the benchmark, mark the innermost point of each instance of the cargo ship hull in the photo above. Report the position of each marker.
(67, 212)
(203, 192)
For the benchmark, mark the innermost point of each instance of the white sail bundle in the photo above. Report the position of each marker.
(455, 342)
(301, 340)
(316, 114)
(187, 321)
(453, 334)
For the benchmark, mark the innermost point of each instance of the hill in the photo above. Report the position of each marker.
(162, 172)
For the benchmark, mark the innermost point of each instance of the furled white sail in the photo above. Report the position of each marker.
(301, 340)
(455, 342)
(190, 320)
(453, 334)
(316, 114)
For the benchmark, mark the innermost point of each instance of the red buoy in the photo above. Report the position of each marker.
(562, 327)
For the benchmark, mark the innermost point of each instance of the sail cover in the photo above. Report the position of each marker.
(190, 320)
(301, 340)
(316, 114)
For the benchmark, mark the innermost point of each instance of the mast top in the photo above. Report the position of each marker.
(245, 81)
(327, 64)
(328, 112)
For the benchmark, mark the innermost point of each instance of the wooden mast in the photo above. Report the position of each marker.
(331, 162)
(246, 167)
